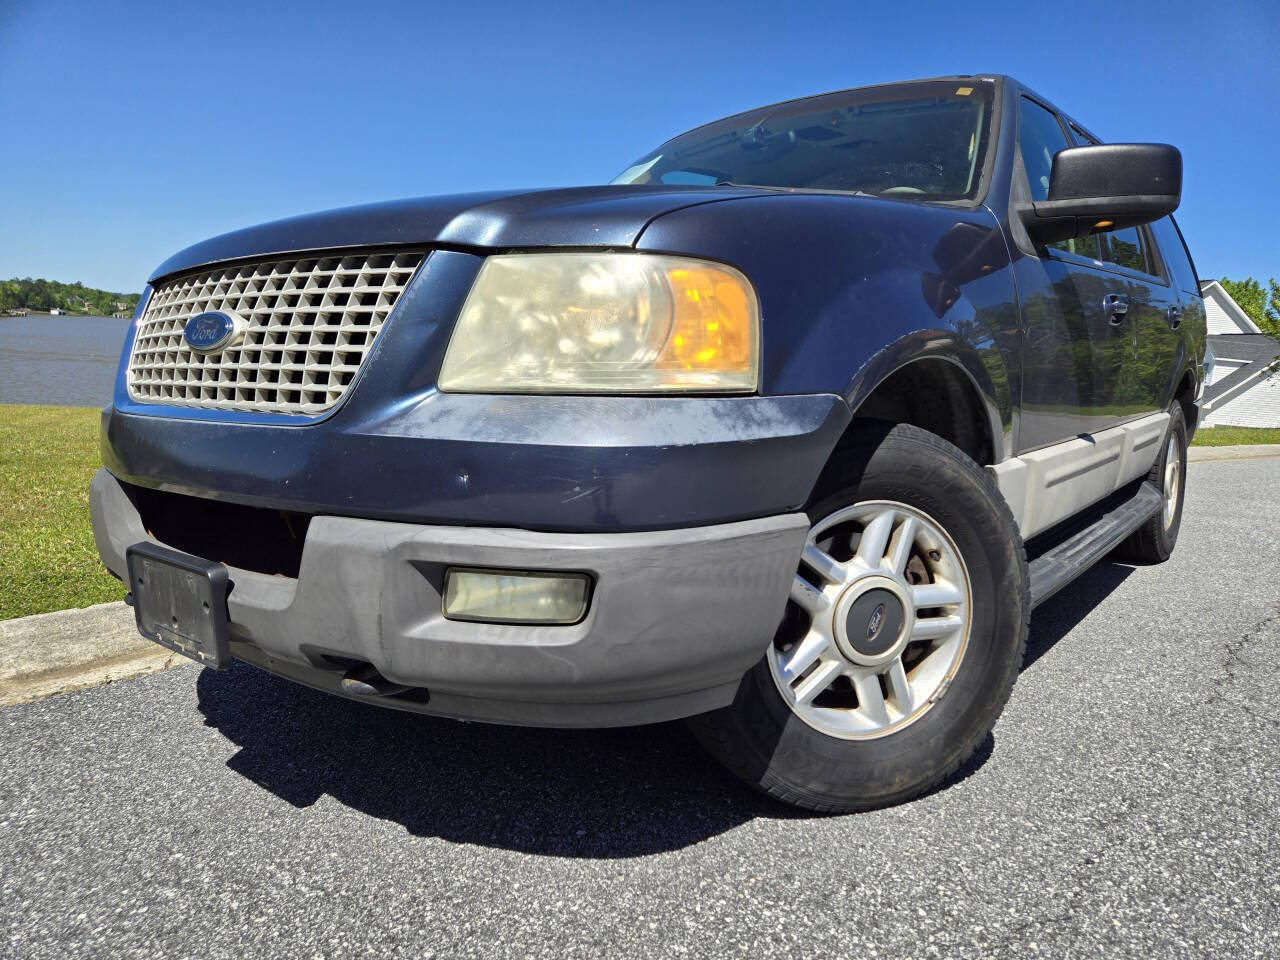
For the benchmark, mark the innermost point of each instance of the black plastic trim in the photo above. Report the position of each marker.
(1063, 562)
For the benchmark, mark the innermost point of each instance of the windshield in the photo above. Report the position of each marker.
(923, 139)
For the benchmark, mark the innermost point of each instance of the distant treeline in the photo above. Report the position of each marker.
(45, 295)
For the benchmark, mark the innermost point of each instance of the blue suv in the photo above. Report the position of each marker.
(785, 431)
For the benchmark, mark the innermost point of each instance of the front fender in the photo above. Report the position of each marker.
(851, 288)
(987, 375)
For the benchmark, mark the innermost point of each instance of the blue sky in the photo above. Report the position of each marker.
(133, 129)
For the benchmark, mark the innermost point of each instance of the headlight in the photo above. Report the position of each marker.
(604, 323)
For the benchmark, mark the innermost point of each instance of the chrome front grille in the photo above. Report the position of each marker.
(308, 323)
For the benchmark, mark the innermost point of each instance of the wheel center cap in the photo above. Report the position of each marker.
(871, 621)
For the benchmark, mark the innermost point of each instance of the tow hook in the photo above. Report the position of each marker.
(364, 680)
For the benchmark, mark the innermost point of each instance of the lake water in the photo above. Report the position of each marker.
(69, 361)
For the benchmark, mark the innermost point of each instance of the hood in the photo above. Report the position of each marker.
(607, 216)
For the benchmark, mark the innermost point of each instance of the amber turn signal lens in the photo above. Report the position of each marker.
(714, 321)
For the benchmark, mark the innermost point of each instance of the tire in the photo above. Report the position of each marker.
(1153, 542)
(820, 757)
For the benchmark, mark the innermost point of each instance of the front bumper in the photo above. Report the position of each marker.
(676, 616)
(589, 464)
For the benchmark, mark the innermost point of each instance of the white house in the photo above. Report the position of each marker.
(1244, 387)
(1222, 314)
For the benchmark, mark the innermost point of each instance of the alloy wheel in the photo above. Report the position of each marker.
(879, 621)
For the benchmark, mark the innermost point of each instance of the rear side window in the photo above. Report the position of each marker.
(1124, 249)
(1174, 252)
(1040, 136)
(1090, 246)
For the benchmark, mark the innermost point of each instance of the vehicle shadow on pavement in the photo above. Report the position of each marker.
(1060, 614)
(603, 794)
(624, 792)
(572, 793)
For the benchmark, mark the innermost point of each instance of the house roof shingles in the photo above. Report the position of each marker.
(1257, 350)
(1244, 346)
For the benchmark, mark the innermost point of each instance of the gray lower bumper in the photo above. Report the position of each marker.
(676, 616)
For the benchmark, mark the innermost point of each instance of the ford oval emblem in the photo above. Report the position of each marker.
(876, 622)
(211, 331)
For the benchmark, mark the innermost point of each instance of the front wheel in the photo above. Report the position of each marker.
(904, 634)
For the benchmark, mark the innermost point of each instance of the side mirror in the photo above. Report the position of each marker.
(1105, 187)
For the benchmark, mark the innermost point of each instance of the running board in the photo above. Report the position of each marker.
(1060, 564)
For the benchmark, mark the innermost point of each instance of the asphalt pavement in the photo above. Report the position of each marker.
(1127, 805)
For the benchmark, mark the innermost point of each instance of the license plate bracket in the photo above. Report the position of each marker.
(180, 602)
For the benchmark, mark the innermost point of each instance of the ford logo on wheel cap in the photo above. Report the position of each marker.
(212, 331)
(876, 622)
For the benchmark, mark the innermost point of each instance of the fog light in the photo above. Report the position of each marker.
(515, 596)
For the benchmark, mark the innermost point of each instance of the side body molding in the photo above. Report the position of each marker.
(1045, 486)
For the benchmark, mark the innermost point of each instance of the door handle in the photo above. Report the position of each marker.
(1115, 306)
(1174, 316)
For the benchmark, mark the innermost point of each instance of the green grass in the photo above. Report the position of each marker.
(1228, 436)
(47, 557)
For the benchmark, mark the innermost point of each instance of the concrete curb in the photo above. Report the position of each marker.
(1240, 452)
(52, 653)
